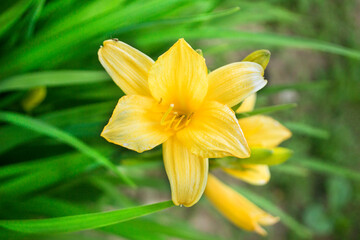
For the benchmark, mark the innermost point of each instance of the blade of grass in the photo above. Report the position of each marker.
(9, 17)
(322, 166)
(141, 226)
(303, 86)
(51, 131)
(304, 129)
(39, 4)
(65, 167)
(9, 99)
(266, 110)
(93, 112)
(263, 38)
(84, 221)
(173, 21)
(32, 166)
(52, 79)
(31, 55)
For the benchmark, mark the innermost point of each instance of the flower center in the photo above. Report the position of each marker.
(175, 120)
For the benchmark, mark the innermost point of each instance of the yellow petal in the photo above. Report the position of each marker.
(248, 104)
(237, 208)
(256, 174)
(127, 66)
(214, 132)
(179, 77)
(187, 173)
(232, 83)
(263, 131)
(261, 57)
(135, 124)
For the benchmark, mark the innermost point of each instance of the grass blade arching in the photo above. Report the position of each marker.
(51, 131)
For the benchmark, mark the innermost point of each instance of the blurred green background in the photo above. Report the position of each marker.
(55, 99)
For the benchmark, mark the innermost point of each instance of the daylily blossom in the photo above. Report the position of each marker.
(260, 132)
(175, 102)
(235, 207)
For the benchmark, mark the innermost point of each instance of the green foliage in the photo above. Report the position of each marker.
(54, 166)
(82, 222)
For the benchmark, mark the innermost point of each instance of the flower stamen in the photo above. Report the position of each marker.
(166, 114)
(175, 120)
(176, 127)
(188, 119)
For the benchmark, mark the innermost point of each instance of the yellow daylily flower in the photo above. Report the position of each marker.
(175, 102)
(260, 132)
(236, 207)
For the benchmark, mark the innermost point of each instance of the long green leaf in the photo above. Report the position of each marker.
(188, 19)
(30, 56)
(8, 18)
(52, 79)
(141, 227)
(305, 129)
(61, 118)
(266, 110)
(59, 169)
(82, 222)
(51, 131)
(322, 166)
(263, 38)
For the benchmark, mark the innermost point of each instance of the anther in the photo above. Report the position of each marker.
(171, 122)
(176, 127)
(160, 100)
(188, 119)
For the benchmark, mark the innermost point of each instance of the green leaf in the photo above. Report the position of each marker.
(65, 167)
(83, 222)
(304, 129)
(322, 166)
(9, 17)
(39, 5)
(12, 136)
(291, 170)
(266, 110)
(52, 79)
(51, 131)
(31, 55)
(262, 38)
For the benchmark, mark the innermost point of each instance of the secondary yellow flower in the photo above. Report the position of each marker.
(175, 102)
(237, 208)
(260, 132)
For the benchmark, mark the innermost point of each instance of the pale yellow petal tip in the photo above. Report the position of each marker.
(261, 57)
(265, 221)
(185, 204)
(259, 230)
